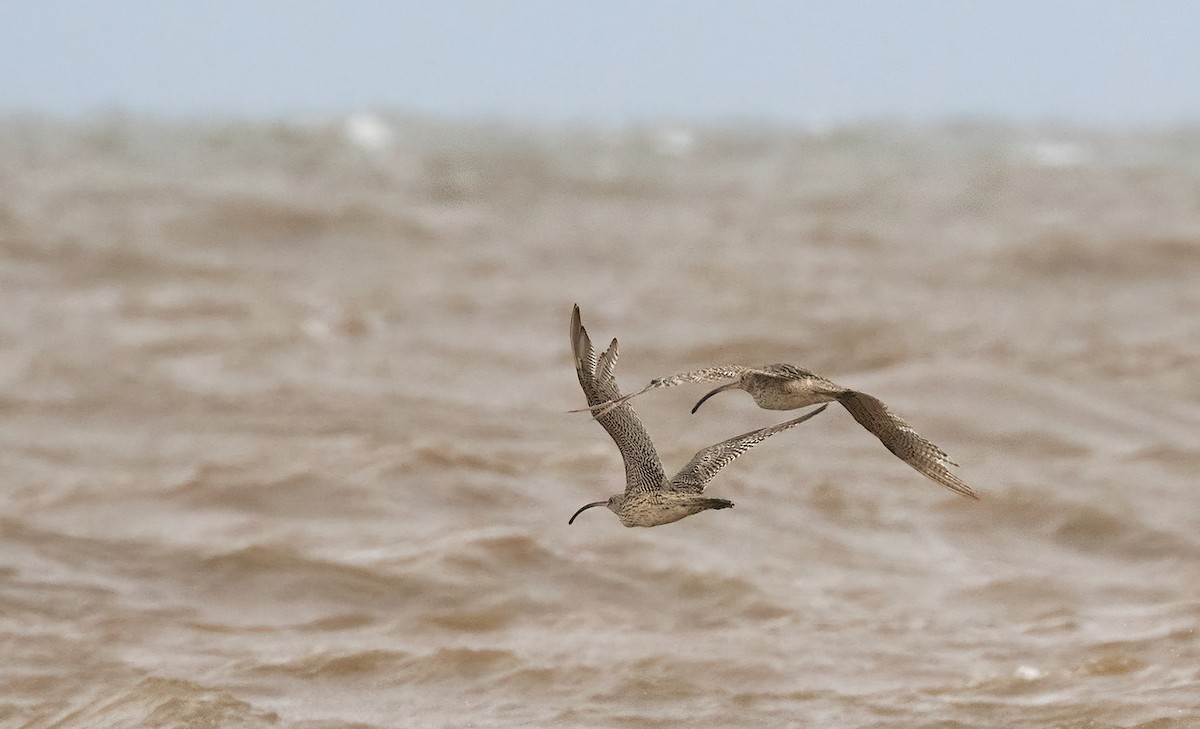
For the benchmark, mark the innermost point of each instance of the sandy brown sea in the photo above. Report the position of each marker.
(284, 438)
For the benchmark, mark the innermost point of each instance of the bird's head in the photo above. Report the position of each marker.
(614, 505)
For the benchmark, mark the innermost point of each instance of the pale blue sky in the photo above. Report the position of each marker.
(1096, 63)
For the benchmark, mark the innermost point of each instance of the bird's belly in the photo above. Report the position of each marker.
(792, 394)
(785, 400)
(652, 511)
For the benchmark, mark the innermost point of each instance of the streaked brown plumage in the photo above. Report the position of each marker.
(649, 498)
(786, 387)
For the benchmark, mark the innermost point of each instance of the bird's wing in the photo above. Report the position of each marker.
(705, 464)
(643, 470)
(708, 374)
(906, 443)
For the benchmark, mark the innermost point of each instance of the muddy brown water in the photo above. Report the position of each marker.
(284, 441)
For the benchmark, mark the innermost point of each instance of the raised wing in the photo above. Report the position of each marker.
(643, 469)
(704, 465)
(906, 443)
(708, 374)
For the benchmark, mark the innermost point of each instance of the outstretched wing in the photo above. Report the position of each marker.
(708, 374)
(643, 470)
(705, 464)
(906, 443)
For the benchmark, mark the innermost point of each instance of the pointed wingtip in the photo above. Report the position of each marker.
(956, 485)
(577, 334)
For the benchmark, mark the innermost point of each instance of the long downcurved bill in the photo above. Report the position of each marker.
(722, 388)
(585, 508)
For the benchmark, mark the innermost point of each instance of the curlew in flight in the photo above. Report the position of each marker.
(787, 387)
(649, 498)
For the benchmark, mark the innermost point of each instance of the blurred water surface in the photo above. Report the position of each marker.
(284, 442)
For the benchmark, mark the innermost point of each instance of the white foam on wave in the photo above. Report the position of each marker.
(368, 132)
(675, 142)
(1029, 673)
(1059, 154)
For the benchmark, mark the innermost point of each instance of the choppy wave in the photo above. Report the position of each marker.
(284, 438)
